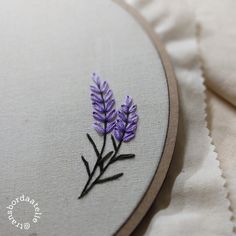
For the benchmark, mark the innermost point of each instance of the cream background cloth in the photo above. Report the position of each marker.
(217, 37)
(193, 199)
(221, 121)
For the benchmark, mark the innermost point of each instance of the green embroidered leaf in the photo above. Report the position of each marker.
(111, 178)
(125, 157)
(86, 165)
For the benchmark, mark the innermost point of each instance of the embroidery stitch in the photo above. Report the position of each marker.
(123, 124)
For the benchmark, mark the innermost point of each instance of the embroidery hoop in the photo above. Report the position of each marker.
(41, 163)
(145, 203)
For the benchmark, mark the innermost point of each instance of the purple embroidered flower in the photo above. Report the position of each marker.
(105, 122)
(103, 105)
(126, 123)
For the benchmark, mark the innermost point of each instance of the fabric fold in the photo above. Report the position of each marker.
(193, 198)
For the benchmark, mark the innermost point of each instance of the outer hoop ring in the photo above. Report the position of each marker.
(145, 203)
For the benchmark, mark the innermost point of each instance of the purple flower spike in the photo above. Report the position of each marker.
(126, 123)
(106, 121)
(103, 106)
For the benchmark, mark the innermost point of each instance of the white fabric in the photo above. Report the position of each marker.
(193, 199)
(46, 112)
(223, 131)
(217, 36)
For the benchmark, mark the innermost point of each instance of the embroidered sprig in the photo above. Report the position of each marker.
(123, 123)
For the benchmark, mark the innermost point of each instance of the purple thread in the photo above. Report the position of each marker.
(126, 123)
(103, 106)
(105, 122)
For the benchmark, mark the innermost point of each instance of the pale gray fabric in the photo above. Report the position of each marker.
(48, 50)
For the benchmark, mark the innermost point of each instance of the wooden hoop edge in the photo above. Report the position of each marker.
(152, 191)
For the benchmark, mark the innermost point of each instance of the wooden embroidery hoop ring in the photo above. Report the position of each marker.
(158, 179)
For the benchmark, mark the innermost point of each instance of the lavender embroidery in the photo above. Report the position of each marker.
(122, 123)
(126, 124)
(103, 104)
